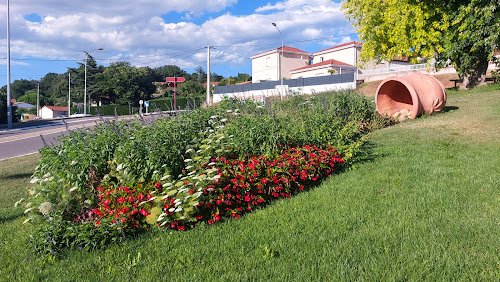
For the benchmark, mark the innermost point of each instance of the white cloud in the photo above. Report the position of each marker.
(140, 32)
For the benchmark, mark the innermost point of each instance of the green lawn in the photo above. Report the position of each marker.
(424, 205)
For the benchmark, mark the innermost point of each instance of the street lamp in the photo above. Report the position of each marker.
(280, 61)
(85, 92)
(9, 106)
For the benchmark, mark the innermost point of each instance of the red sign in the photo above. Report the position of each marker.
(176, 79)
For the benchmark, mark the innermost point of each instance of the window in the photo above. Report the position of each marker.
(321, 59)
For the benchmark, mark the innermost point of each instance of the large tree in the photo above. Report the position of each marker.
(124, 83)
(462, 33)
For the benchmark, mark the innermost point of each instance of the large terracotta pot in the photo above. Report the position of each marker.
(410, 96)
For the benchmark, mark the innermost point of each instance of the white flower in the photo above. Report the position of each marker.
(45, 208)
(34, 180)
(189, 167)
(19, 202)
(167, 184)
(165, 177)
(73, 188)
(26, 220)
(213, 117)
(73, 162)
(189, 150)
(119, 167)
(178, 209)
(229, 111)
(28, 210)
(171, 209)
(187, 160)
(223, 120)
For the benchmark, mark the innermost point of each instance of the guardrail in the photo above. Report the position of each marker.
(397, 69)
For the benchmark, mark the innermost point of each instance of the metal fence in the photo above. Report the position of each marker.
(298, 82)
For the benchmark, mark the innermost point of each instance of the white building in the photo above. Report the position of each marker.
(347, 53)
(47, 112)
(327, 67)
(266, 65)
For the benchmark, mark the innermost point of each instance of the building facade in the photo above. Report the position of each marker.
(267, 66)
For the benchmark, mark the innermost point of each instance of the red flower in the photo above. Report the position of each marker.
(97, 223)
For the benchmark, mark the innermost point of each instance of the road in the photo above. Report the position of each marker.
(24, 138)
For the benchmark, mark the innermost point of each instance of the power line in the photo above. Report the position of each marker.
(289, 42)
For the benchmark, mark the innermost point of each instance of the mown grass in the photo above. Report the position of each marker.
(424, 205)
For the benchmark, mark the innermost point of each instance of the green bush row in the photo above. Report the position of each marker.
(164, 104)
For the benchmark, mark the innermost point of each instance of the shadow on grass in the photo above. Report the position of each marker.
(10, 217)
(450, 108)
(16, 176)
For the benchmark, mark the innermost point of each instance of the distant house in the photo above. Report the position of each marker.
(23, 105)
(47, 112)
(347, 53)
(266, 65)
(322, 68)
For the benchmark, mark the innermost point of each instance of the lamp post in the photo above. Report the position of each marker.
(280, 61)
(9, 106)
(85, 91)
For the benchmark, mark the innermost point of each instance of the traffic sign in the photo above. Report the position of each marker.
(176, 79)
(146, 104)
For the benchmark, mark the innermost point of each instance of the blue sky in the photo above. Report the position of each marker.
(52, 35)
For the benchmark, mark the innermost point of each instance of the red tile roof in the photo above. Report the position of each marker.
(57, 108)
(285, 49)
(331, 62)
(341, 45)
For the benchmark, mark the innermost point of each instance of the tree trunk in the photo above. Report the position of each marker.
(475, 78)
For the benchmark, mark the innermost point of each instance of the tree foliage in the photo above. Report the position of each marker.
(118, 83)
(123, 83)
(463, 33)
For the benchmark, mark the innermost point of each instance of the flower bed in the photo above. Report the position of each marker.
(205, 166)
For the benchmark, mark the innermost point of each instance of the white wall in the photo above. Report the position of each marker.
(347, 55)
(320, 71)
(265, 68)
(259, 95)
(46, 113)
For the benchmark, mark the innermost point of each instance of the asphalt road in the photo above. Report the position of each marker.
(24, 138)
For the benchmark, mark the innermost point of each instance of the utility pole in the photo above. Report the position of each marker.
(69, 94)
(209, 88)
(9, 106)
(38, 100)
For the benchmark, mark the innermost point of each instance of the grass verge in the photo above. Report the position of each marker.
(423, 206)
